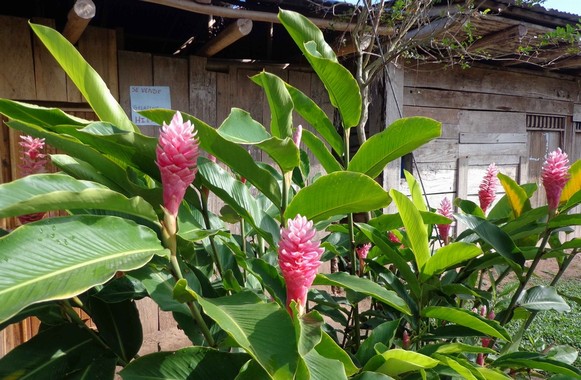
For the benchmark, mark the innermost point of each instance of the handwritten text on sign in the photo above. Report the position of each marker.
(147, 97)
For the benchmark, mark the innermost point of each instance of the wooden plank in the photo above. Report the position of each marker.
(576, 112)
(439, 150)
(523, 170)
(492, 149)
(248, 96)
(223, 95)
(173, 72)
(495, 81)
(428, 97)
(492, 138)
(17, 63)
(202, 91)
(51, 80)
(449, 117)
(492, 122)
(135, 69)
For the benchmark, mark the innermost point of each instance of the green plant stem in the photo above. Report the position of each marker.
(211, 238)
(556, 279)
(501, 277)
(528, 276)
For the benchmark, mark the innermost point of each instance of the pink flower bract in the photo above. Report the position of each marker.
(363, 250)
(554, 175)
(445, 210)
(487, 189)
(177, 156)
(298, 258)
(33, 161)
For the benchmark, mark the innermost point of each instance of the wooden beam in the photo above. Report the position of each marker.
(233, 32)
(507, 34)
(79, 17)
(346, 45)
(573, 62)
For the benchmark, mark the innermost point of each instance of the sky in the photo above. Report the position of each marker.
(571, 6)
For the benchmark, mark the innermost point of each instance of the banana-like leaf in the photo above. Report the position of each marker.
(365, 286)
(516, 195)
(464, 371)
(233, 155)
(529, 360)
(84, 77)
(468, 319)
(61, 258)
(335, 194)
(48, 192)
(414, 225)
(320, 151)
(253, 324)
(400, 138)
(397, 361)
(82, 170)
(59, 353)
(416, 191)
(187, 363)
(387, 222)
(280, 102)
(574, 184)
(37, 115)
(240, 128)
(384, 333)
(317, 118)
(542, 298)
(447, 257)
(342, 88)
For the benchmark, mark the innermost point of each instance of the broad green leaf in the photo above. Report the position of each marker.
(119, 326)
(322, 368)
(335, 194)
(82, 170)
(60, 258)
(492, 374)
(397, 361)
(57, 353)
(252, 323)
(317, 118)
(186, 363)
(393, 282)
(454, 348)
(84, 77)
(533, 360)
(33, 114)
(416, 191)
(456, 366)
(563, 353)
(414, 225)
(447, 257)
(387, 222)
(280, 102)
(384, 333)
(365, 286)
(516, 195)
(564, 220)
(342, 88)
(467, 318)
(542, 298)
(367, 375)
(469, 207)
(573, 185)
(321, 153)
(494, 236)
(308, 329)
(329, 349)
(400, 138)
(233, 155)
(48, 192)
(502, 209)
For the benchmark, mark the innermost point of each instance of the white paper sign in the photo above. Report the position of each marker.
(147, 97)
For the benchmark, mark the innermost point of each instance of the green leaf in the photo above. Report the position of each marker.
(254, 331)
(329, 349)
(449, 256)
(60, 258)
(342, 88)
(564, 220)
(494, 236)
(400, 138)
(456, 366)
(365, 286)
(573, 185)
(233, 155)
(416, 191)
(414, 225)
(469, 207)
(60, 352)
(320, 151)
(542, 298)
(366, 375)
(397, 361)
(388, 222)
(333, 194)
(49, 192)
(530, 360)
(317, 118)
(82, 170)
(468, 319)
(118, 325)
(84, 77)
(492, 374)
(187, 363)
(37, 115)
(563, 353)
(516, 195)
(280, 102)
(384, 333)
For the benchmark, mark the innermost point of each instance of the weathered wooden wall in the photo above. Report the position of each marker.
(484, 114)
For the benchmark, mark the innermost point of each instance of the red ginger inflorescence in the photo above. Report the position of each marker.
(554, 176)
(298, 258)
(33, 161)
(445, 210)
(487, 189)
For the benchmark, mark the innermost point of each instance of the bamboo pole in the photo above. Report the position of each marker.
(79, 17)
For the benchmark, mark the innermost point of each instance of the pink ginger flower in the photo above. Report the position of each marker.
(406, 340)
(298, 258)
(363, 250)
(554, 176)
(298, 135)
(33, 161)
(445, 210)
(393, 238)
(487, 189)
(177, 156)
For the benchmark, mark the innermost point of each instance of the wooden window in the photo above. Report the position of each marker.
(545, 123)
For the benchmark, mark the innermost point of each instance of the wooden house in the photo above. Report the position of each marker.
(509, 108)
